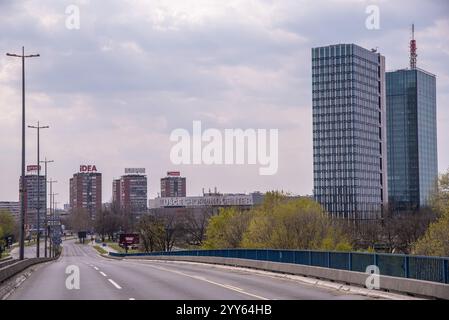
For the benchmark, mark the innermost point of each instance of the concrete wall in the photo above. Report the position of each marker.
(7, 262)
(387, 283)
(8, 271)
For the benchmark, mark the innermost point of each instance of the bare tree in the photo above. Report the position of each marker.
(195, 224)
(80, 220)
(404, 228)
(396, 232)
(171, 229)
(107, 223)
(152, 233)
(174, 226)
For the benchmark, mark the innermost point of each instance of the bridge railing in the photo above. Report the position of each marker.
(435, 269)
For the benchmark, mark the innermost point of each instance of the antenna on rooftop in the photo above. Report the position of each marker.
(413, 48)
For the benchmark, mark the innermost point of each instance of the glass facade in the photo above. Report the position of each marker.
(412, 137)
(349, 149)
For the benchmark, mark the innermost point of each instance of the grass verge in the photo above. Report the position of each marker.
(100, 250)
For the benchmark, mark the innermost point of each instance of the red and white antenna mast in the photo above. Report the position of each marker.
(413, 54)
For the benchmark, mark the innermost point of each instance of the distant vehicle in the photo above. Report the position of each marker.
(82, 236)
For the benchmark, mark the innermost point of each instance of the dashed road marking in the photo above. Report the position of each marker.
(96, 268)
(103, 274)
(229, 287)
(114, 284)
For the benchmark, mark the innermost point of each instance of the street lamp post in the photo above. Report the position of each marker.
(46, 218)
(51, 203)
(54, 220)
(22, 180)
(55, 206)
(38, 128)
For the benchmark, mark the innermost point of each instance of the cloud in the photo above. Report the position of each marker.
(113, 90)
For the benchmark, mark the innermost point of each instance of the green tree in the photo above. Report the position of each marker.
(226, 229)
(440, 199)
(435, 242)
(279, 223)
(7, 223)
(295, 224)
(7, 228)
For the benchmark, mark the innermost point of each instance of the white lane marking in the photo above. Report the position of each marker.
(96, 268)
(350, 290)
(114, 283)
(132, 299)
(234, 288)
(229, 287)
(103, 274)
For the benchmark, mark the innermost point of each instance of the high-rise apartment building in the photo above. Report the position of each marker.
(412, 136)
(133, 193)
(349, 131)
(31, 200)
(173, 185)
(116, 194)
(85, 190)
(130, 191)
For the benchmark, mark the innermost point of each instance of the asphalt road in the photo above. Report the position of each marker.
(102, 278)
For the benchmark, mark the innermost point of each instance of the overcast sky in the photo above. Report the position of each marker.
(113, 91)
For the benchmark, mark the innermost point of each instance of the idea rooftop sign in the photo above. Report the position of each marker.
(33, 167)
(88, 168)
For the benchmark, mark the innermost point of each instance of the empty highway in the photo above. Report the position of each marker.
(102, 278)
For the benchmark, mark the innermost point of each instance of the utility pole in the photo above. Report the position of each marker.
(46, 204)
(22, 180)
(51, 181)
(38, 128)
(54, 220)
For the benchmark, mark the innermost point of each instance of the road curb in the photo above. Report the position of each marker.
(107, 256)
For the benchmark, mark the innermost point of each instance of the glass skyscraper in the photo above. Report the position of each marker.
(349, 131)
(412, 137)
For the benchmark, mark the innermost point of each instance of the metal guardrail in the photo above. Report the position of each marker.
(434, 269)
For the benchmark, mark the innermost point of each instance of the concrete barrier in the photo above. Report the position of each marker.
(394, 284)
(7, 262)
(15, 267)
(5, 259)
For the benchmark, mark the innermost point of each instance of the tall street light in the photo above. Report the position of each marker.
(53, 223)
(51, 181)
(46, 218)
(56, 216)
(22, 180)
(38, 128)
